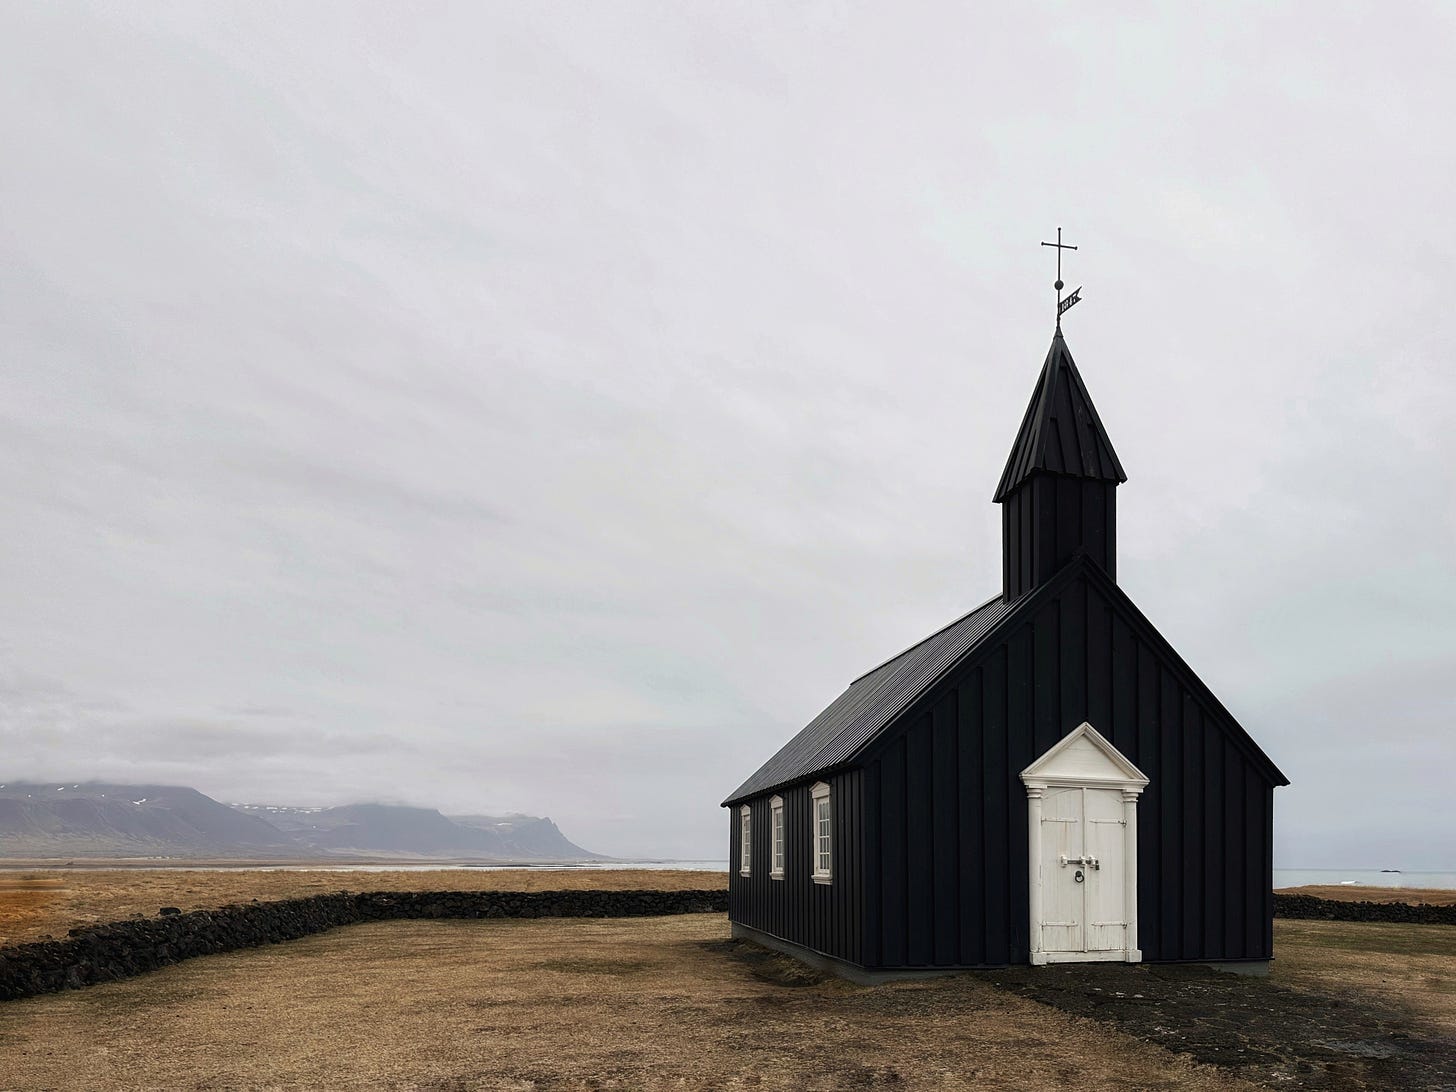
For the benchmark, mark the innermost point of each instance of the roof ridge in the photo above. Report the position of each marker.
(928, 637)
(853, 720)
(1193, 680)
(1043, 400)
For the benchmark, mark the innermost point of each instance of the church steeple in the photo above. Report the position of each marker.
(1058, 492)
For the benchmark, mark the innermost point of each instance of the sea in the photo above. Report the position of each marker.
(1283, 877)
(1363, 877)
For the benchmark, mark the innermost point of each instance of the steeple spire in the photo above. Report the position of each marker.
(1061, 432)
(1057, 493)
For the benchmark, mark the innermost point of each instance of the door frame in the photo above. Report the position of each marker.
(1071, 763)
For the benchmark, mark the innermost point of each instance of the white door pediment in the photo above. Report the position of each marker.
(1082, 757)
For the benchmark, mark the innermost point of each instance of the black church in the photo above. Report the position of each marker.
(1043, 780)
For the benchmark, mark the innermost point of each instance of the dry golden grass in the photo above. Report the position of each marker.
(36, 903)
(39, 902)
(533, 1005)
(1413, 895)
(1411, 967)
(603, 1004)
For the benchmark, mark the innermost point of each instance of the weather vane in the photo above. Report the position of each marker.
(1063, 305)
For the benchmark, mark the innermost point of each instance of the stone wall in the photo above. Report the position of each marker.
(1309, 907)
(103, 953)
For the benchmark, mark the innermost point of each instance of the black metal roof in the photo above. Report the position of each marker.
(873, 700)
(1061, 432)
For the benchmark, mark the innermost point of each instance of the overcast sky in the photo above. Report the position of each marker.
(550, 407)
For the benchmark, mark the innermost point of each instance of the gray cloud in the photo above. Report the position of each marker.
(552, 408)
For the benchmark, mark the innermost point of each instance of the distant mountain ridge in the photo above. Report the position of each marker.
(396, 828)
(103, 819)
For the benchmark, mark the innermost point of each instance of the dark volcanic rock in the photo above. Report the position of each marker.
(1265, 1033)
(1310, 908)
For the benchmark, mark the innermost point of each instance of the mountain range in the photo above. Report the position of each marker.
(100, 819)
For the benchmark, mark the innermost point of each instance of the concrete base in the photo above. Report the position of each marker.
(855, 973)
(821, 962)
(1258, 968)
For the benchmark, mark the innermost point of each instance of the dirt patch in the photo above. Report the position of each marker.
(767, 965)
(662, 1003)
(58, 900)
(1314, 1026)
(594, 966)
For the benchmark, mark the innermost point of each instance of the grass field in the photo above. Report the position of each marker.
(1410, 967)
(34, 903)
(602, 1004)
(534, 1005)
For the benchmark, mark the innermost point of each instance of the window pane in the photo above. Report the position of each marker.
(822, 831)
(778, 839)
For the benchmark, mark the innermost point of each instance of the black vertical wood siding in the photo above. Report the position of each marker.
(944, 814)
(1047, 520)
(827, 918)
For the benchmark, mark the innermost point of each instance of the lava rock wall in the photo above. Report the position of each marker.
(104, 953)
(1311, 908)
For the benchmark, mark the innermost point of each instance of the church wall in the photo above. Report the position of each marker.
(824, 917)
(946, 813)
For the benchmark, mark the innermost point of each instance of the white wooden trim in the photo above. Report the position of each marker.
(777, 840)
(820, 792)
(1047, 770)
(1116, 955)
(1065, 765)
(1129, 818)
(745, 841)
(1033, 841)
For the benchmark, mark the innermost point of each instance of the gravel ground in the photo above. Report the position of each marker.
(1347, 1006)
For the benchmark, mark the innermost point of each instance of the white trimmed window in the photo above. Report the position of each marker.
(776, 829)
(823, 828)
(745, 841)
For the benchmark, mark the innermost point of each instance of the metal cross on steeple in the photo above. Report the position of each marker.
(1076, 297)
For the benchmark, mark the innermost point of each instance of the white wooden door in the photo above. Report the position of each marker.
(1083, 871)
(1081, 813)
(1106, 886)
(1063, 905)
